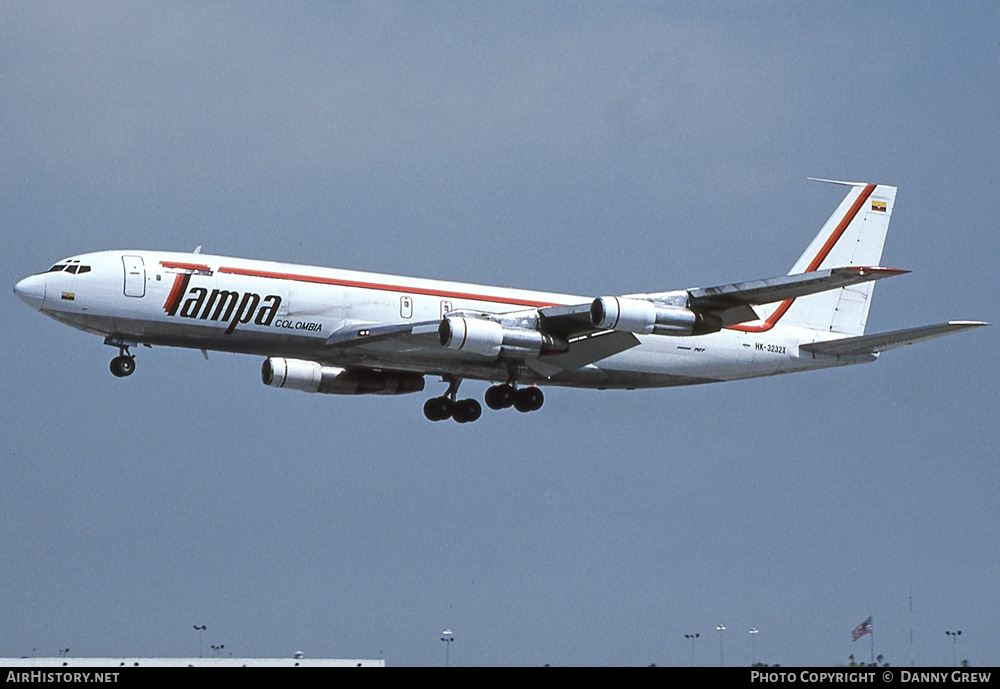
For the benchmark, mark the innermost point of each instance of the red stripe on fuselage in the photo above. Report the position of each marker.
(176, 292)
(814, 264)
(184, 266)
(315, 279)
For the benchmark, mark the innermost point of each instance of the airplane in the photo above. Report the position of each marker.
(324, 330)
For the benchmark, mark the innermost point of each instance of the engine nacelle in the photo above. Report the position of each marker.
(643, 317)
(473, 335)
(627, 315)
(310, 376)
(488, 338)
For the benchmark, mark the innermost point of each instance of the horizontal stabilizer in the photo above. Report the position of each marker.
(837, 181)
(871, 344)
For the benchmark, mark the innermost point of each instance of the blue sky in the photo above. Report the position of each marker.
(587, 148)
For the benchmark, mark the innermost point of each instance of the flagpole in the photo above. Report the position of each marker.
(872, 635)
(911, 624)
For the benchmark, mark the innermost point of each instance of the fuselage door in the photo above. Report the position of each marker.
(135, 276)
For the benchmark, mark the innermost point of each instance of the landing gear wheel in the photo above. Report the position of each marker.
(467, 411)
(438, 408)
(528, 399)
(499, 396)
(122, 366)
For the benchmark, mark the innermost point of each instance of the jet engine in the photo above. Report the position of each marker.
(310, 376)
(643, 317)
(487, 338)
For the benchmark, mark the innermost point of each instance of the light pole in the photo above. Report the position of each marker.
(954, 638)
(447, 637)
(692, 637)
(722, 659)
(753, 645)
(200, 628)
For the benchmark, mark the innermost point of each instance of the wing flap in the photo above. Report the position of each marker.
(582, 351)
(872, 344)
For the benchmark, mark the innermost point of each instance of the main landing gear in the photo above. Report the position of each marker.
(124, 364)
(497, 397)
(447, 407)
(523, 399)
(463, 411)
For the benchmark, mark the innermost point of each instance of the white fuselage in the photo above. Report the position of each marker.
(220, 303)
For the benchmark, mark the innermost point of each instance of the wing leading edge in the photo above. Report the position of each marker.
(730, 304)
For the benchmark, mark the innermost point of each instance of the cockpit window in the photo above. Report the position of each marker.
(72, 266)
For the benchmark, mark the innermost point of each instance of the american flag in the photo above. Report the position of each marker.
(862, 629)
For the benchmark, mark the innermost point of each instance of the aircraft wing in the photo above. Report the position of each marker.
(732, 303)
(872, 344)
(584, 342)
(364, 333)
(582, 351)
(423, 336)
(787, 286)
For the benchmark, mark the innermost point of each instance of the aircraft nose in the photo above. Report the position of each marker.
(31, 290)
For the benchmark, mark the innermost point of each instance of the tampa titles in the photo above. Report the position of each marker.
(228, 306)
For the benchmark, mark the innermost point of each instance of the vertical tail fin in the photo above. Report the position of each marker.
(853, 236)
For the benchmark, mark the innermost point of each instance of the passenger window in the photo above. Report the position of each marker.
(406, 307)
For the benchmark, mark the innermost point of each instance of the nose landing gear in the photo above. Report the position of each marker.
(124, 364)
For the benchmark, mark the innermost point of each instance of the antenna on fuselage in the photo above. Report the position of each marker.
(197, 249)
